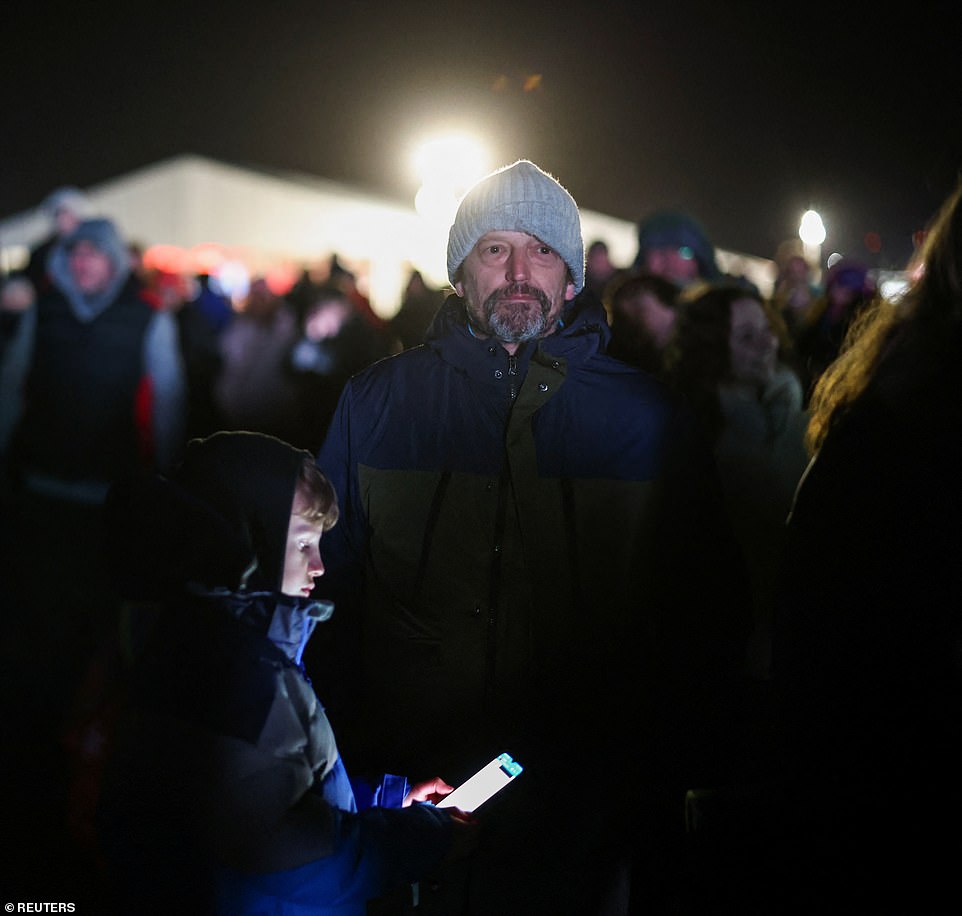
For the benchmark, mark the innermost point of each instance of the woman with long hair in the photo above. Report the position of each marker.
(868, 655)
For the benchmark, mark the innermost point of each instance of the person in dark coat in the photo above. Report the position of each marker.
(91, 387)
(537, 560)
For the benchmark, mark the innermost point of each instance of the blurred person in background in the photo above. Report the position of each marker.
(254, 389)
(599, 272)
(795, 290)
(91, 387)
(867, 660)
(335, 343)
(818, 338)
(419, 305)
(642, 310)
(199, 335)
(727, 356)
(65, 208)
(674, 245)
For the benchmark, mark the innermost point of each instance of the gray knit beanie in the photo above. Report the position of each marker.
(519, 198)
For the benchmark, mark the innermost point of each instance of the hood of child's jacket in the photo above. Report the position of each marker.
(220, 521)
(249, 479)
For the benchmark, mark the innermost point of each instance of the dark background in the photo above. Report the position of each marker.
(742, 113)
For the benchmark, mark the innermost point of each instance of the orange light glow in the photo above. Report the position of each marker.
(207, 257)
(281, 278)
(168, 258)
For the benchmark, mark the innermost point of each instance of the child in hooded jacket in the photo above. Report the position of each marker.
(225, 791)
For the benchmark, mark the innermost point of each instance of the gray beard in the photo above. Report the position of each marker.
(513, 324)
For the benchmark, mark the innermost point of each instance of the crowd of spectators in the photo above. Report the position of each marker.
(819, 404)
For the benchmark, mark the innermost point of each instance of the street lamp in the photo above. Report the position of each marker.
(811, 230)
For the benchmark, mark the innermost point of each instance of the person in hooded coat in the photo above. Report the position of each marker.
(225, 791)
(92, 386)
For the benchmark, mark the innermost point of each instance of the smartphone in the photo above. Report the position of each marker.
(489, 780)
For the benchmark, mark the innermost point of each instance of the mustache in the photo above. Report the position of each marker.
(519, 289)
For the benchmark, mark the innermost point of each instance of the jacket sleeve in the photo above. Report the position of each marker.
(16, 352)
(372, 853)
(266, 820)
(164, 366)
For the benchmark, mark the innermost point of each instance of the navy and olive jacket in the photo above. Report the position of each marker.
(525, 541)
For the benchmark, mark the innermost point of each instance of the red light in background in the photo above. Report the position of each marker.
(207, 258)
(167, 258)
(280, 279)
(873, 242)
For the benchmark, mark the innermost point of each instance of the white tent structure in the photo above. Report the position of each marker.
(214, 212)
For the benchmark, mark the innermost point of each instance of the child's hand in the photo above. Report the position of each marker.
(432, 790)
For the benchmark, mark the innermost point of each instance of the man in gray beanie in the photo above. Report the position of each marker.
(533, 558)
(520, 231)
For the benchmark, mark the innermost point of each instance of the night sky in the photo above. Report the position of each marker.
(742, 113)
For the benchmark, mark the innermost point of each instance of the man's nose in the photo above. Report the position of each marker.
(518, 267)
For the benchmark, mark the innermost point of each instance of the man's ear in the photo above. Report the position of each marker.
(459, 289)
(569, 291)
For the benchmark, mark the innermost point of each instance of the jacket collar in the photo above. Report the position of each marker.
(581, 334)
(286, 620)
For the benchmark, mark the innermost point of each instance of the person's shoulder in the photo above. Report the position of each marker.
(387, 378)
(133, 294)
(619, 377)
(396, 367)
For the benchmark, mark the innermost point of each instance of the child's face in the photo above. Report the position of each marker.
(302, 559)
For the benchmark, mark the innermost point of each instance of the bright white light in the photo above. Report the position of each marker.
(833, 259)
(232, 280)
(893, 289)
(811, 230)
(436, 204)
(452, 160)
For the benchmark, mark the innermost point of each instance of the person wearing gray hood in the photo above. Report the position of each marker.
(91, 387)
(92, 383)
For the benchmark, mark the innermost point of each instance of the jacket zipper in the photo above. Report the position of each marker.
(495, 580)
